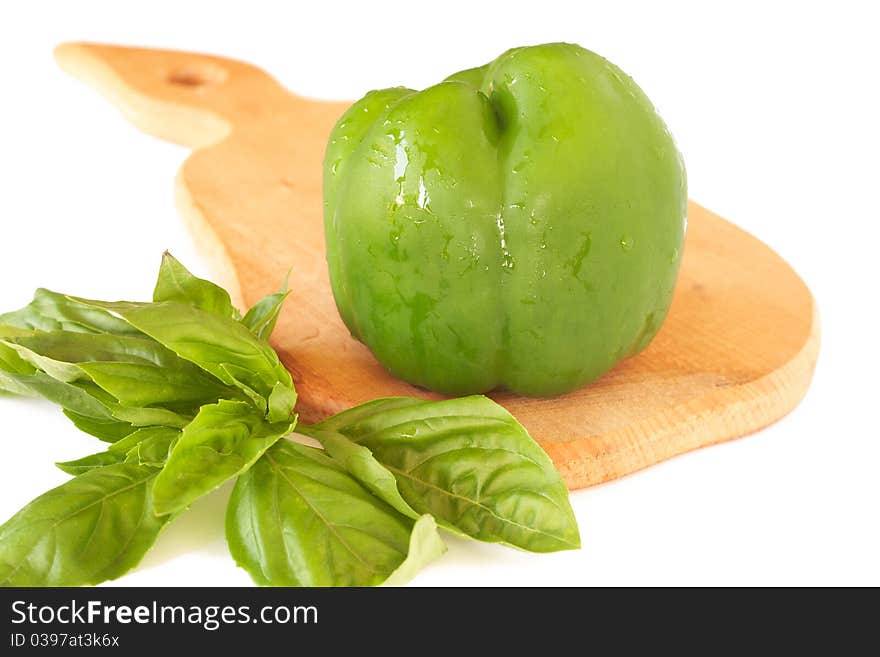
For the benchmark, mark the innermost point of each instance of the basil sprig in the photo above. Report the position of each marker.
(189, 394)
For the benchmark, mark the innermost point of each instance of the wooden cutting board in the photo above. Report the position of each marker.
(736, 352)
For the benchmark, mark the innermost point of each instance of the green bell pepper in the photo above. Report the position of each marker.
(519, 225)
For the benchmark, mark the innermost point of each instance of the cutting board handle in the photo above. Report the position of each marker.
(187, 98)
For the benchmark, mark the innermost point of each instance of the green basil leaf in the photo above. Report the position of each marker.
(176, 283)
(349, 418)
(57, 370)
(237, 376)
(263, 315)
(90, 462)
(360, 463)
(222, 441)
(147, 446)
(10, 386)
(10, 361)
(152, 452)
(471, 465)
(109, 430)
(219, 345)
(75, 397)
(71, 347)
(425, 545)
(8, 332)
(298, 519)
(281, 401)
(11, 364)
(137, 416)
(148, 417)
(93, 528)
(136, 370)
(136, 384)
(51, 311)
(93, 409)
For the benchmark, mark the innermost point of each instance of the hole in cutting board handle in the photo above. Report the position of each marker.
(197, 75)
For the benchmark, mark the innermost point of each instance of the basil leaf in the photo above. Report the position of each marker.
(219, 345)
(136, 370)
(53, 311)
(222, 441)
(425, 545)
(360, 463)
(90, 462)
(74, 397)
(281, 401)
(10, 361)
(57, 370)
(349, 418)
(148, 417)
(137, 416)
(109, 430)
(176, 283)
(263, 315)
(136, 384)
(93, 528)
(147, 446)
(471, 465)
(11, 364)
(91, 407)
(298, 519)
(71, 347)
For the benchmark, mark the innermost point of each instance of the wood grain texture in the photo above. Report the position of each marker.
(736, 352)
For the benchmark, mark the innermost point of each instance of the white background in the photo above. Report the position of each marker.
(775, 107)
